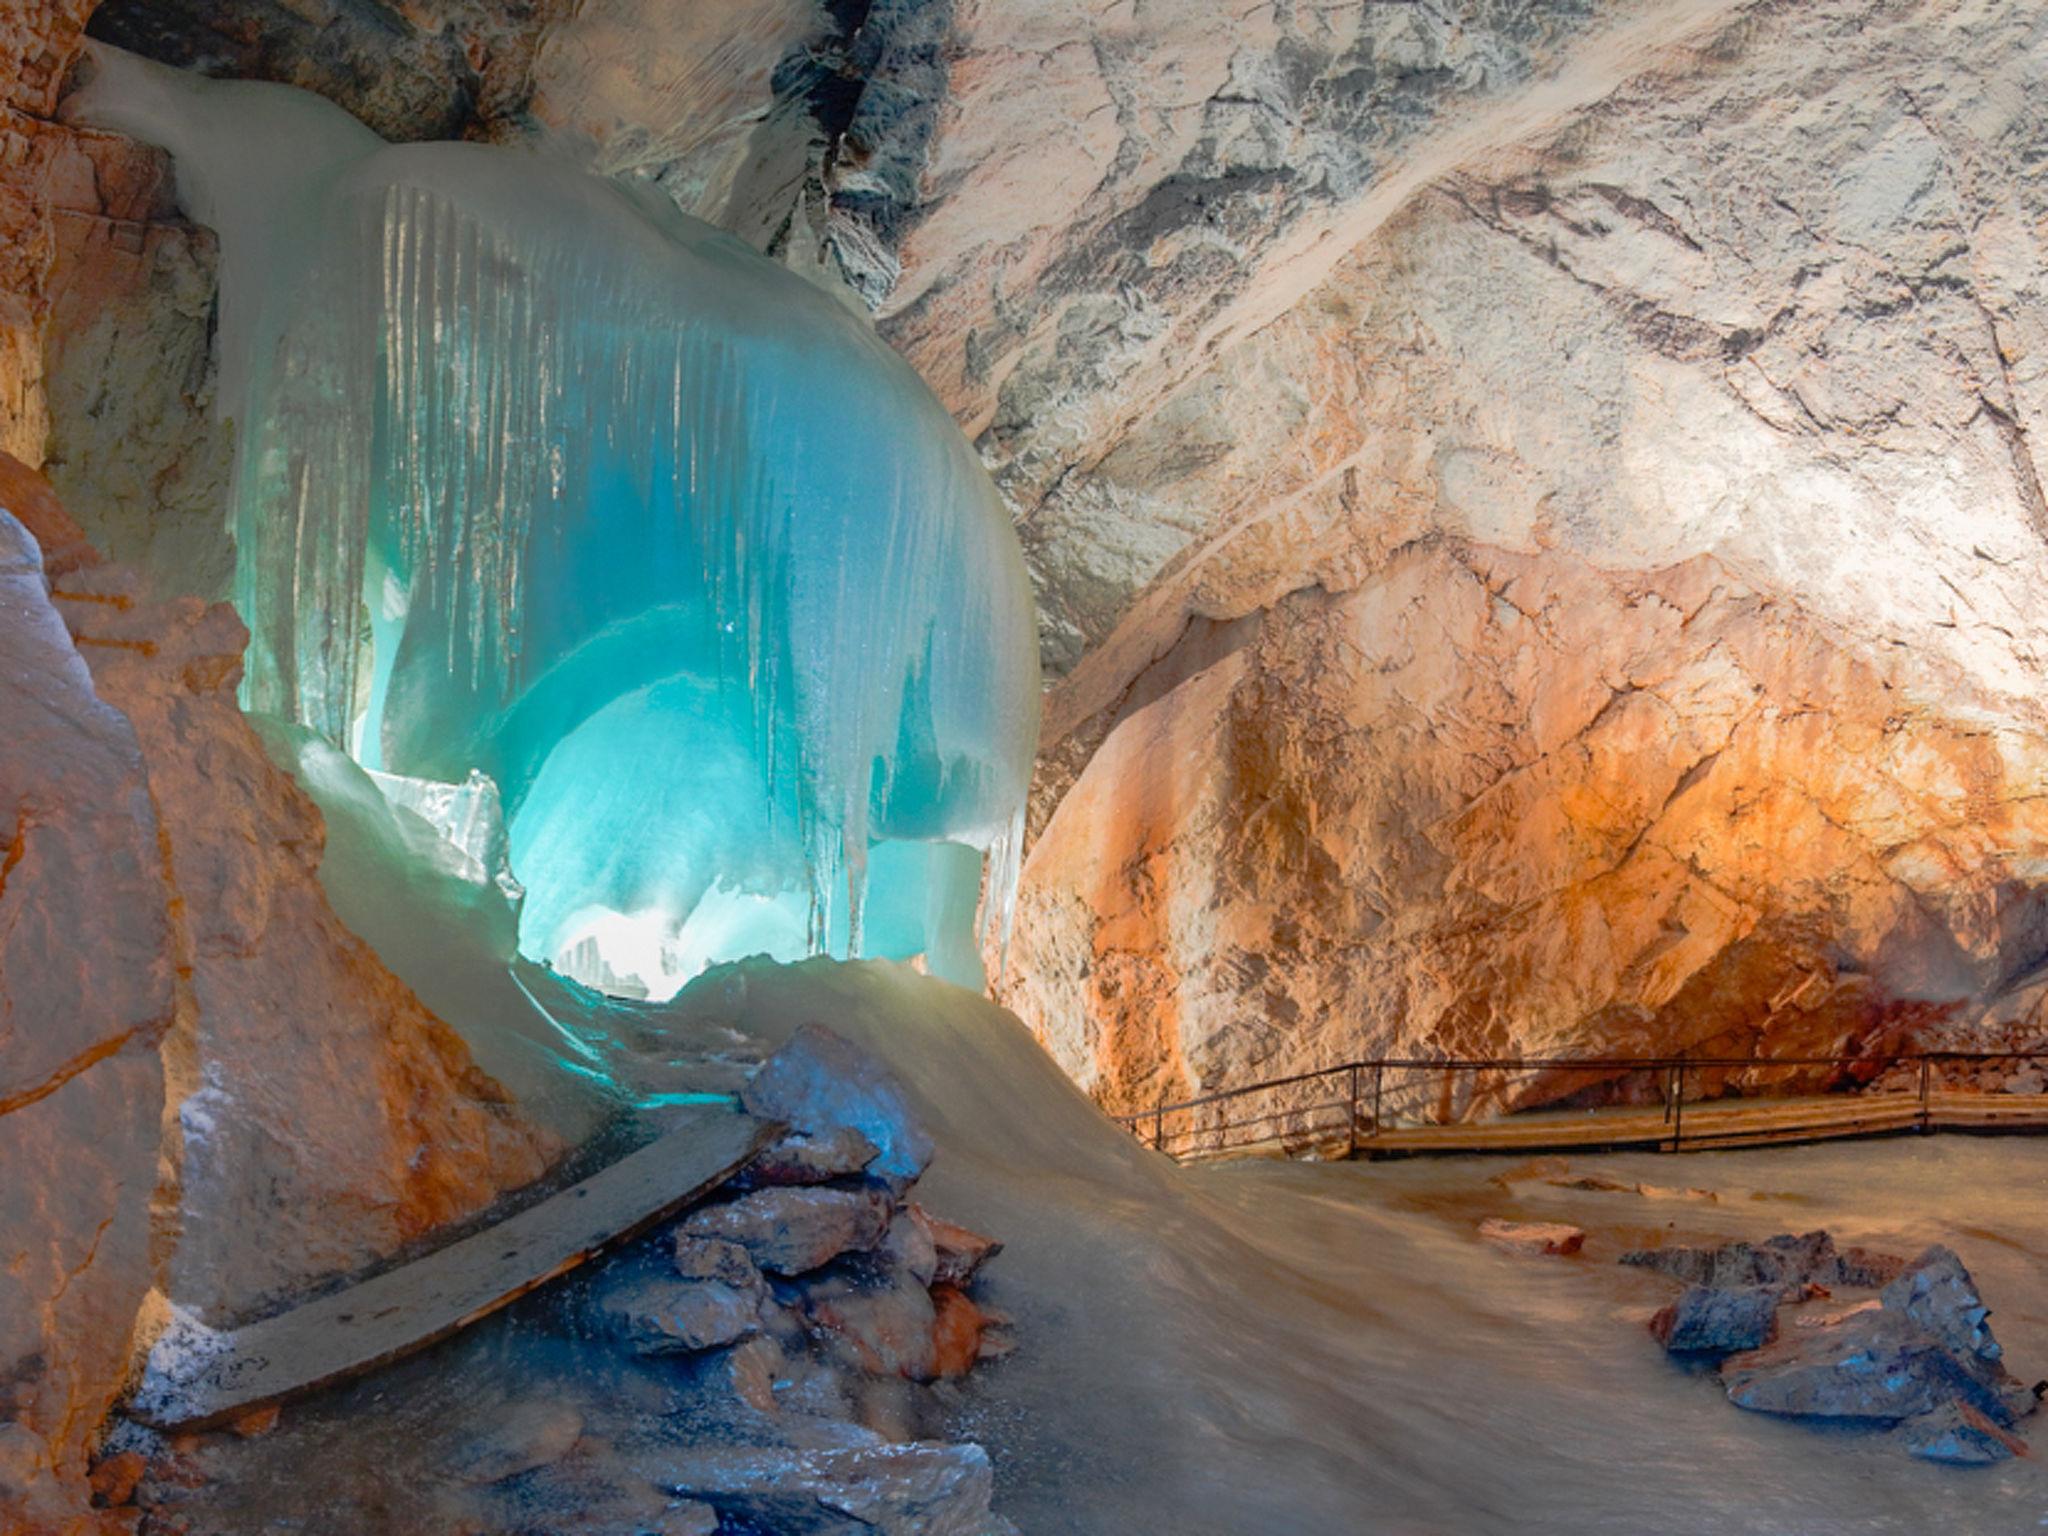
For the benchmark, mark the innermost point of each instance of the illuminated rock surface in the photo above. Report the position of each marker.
(1604, 612)
(87, 990)
(1604, 436)
(210, 1087)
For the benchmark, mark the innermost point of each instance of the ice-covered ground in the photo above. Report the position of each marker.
(1258, 1349)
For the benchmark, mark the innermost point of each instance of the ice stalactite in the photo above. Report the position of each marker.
(542, 480)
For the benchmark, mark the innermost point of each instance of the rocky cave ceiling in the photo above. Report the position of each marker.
(1534, 507)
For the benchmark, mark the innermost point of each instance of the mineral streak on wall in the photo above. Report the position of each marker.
(542, 480)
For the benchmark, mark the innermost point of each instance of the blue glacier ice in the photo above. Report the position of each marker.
(542, 480)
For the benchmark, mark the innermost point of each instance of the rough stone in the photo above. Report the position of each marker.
(1960, 1436)
(839, 1153)
(919, 1489)
(886, 1320)
(714, 1258)
(115, 1479)
(1787, 1265)
(1939, 1296)
(1875, 1368)
(819, 1083)
(1717, 1320)
(667, 1317)
(960, 1252)
(959, 1331)
(88, 989)
(1551, 629)
(1533, 1237)
(793, 1231)
(292, 1163)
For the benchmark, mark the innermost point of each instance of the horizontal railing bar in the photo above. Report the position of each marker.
(1573, 1064)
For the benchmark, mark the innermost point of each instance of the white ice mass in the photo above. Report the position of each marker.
(541, 480)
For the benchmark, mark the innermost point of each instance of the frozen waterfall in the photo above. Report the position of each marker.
(540, 480)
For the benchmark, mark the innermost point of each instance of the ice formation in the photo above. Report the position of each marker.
(546, 482)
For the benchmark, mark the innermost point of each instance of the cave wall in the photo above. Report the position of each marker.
(1533, 506)
(211, 1094)
(1642, 538)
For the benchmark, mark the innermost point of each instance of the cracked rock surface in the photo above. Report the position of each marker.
(1536, 508)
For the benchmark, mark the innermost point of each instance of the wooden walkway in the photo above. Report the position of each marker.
(408, 1308)
(1708, 1126)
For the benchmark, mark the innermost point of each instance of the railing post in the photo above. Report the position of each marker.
(1678, 1102)
(1351, 1117)
(1159, 1124)
(1379, 1083)
(1926, 1096)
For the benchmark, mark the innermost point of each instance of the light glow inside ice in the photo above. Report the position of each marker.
(541, 481)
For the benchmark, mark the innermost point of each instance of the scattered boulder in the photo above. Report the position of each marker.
(714, 1258)
(804, 1158)
(1708, 1321)
(793, 1231)
(1939, 1296)
(959, 1331)
(819, 1083)
(1876, 1369)
(1533, 1237)
(1960, 1436)
(918, 1489)
(669, 1317)
(961, 1253)
(908, 1247)
(1792, 1266)
(885, 1320)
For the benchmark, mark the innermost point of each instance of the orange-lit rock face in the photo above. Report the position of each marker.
(1495, 804)
(38, 39)
(323, 1116)
(207, 1085)
(1600, 612)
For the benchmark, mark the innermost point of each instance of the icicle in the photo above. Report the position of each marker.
(688, 562)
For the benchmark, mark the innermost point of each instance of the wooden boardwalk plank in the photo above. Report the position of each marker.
(405, 1309)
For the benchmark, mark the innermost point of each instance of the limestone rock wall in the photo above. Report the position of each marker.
(38, 39)
(210, 1091)
(1534, 506)
(88, 990)
(1611, 619)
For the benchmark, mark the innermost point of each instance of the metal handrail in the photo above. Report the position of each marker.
(1677, 1067)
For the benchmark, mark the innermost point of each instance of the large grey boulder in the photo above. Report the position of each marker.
(916, 1489)
(1707, 1320)
(819, 1083)
(1927, 1349)
(793, 1231)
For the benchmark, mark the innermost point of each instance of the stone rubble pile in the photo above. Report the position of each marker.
(1917, 1360)
(781, 1361)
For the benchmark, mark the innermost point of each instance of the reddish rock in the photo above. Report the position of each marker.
(794, 1231)
(958, 1328)
(257, 1421)
(886, 1323)
(88, 989)
(27, 495)
(115, 1479)
(293, 1163)
(1533, 1237)
(960, 1252)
